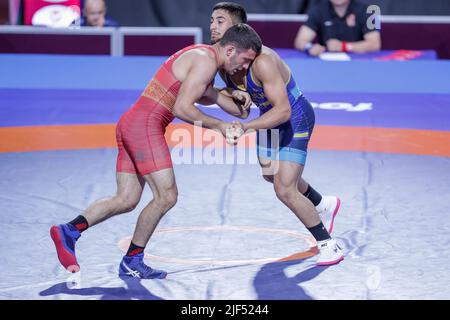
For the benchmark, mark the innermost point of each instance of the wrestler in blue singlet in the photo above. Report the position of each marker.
(293, 136)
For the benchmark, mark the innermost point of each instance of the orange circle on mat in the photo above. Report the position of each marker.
(312, 250)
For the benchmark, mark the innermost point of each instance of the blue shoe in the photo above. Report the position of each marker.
(135, 267)
(65, 236)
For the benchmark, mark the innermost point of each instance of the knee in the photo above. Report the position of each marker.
(283, 192)
(171, 198)
(167, 200)
(268, 178)
(127, 203)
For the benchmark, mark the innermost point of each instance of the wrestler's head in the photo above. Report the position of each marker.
(241, 45)
(224, 16)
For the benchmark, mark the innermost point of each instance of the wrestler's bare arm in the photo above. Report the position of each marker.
(226, 100)
(266, 71)
(241, 110)
(199, 76)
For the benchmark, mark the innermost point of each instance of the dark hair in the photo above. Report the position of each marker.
(236, 11)
(243, 37)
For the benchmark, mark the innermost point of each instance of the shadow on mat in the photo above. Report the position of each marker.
(133, 290)
(271, 282)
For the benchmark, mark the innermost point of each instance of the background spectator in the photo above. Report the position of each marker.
(94, 15)
(340, 26)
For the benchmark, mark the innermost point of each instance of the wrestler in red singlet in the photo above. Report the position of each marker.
(140, 131)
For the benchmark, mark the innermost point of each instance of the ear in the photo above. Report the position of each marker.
(230, 50)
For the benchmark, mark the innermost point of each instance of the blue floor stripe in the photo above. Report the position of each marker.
(64, 107)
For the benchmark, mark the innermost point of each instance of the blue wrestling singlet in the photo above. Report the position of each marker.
(288, 141)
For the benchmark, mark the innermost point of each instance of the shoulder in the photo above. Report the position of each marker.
(83, 21)
(268, 56)
(206, 59)
(110, 22)
(265, 64)
(201, 57)
(359, 8)
(205, 52)
(316, 15)
(317, 9)
(201, 63)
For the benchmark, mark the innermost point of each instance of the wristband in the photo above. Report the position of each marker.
(344, 46)
(308, 46)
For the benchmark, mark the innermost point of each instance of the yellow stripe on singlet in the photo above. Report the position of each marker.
(301, 135)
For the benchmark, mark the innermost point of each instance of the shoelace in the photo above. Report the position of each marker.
(71, 237)
(145, 268)
(75, 234)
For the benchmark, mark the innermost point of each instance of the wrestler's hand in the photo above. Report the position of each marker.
(231, 131)
(241, 125)
(235, 132)
(242, 98)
